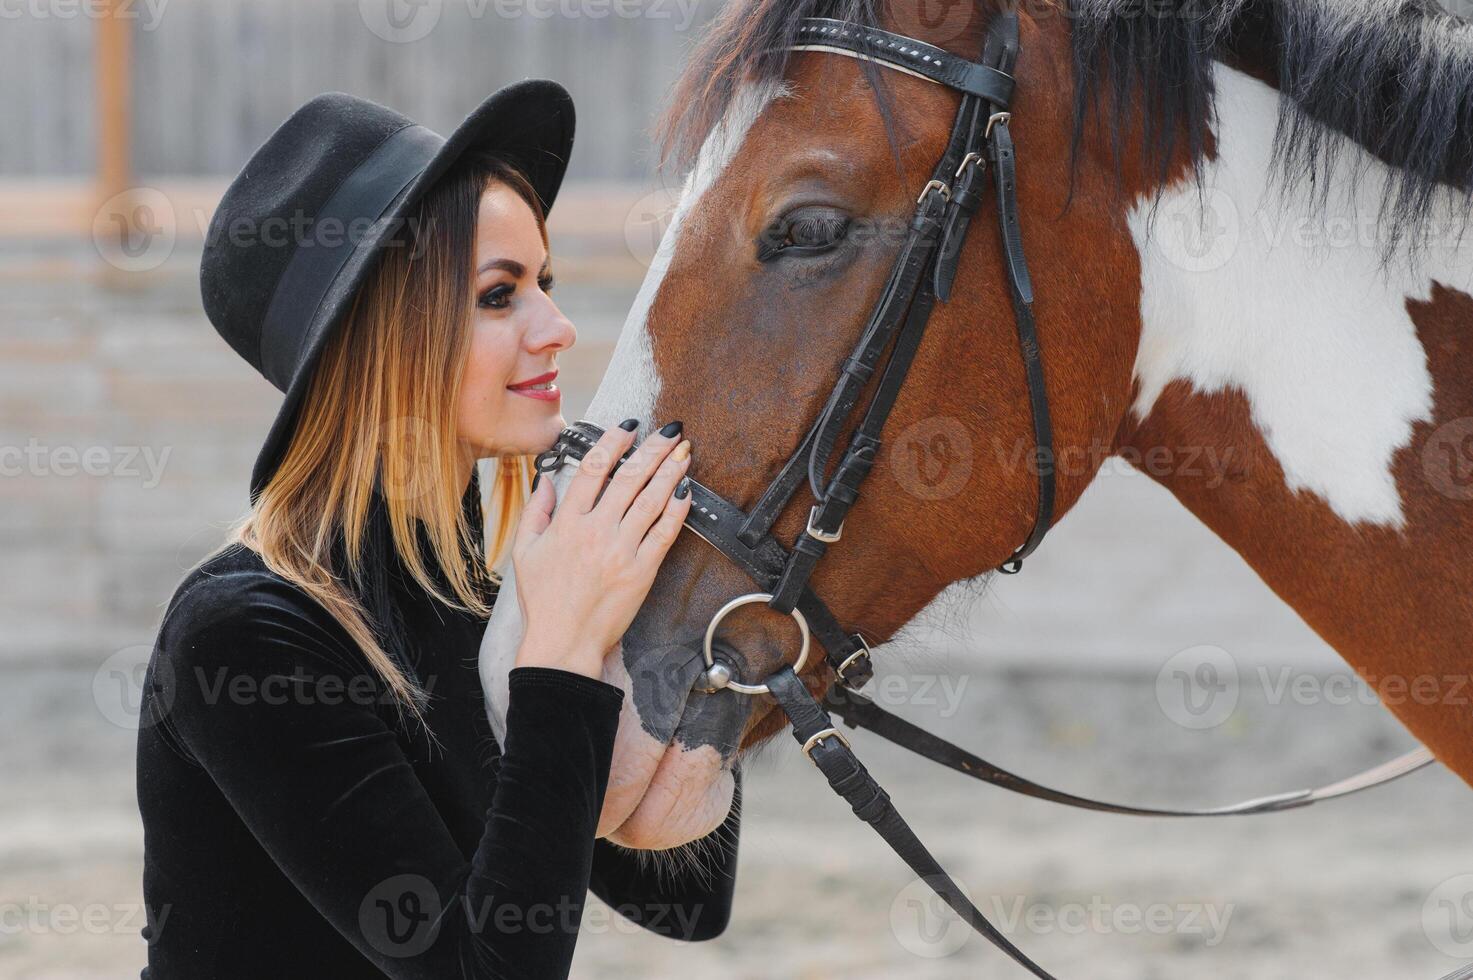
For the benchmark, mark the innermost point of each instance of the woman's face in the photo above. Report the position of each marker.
(516, 333)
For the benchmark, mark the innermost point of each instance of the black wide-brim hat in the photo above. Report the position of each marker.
(297, 231)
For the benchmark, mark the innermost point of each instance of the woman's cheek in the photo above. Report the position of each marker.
(482, 385)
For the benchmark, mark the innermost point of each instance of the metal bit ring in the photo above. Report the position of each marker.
(718, 676)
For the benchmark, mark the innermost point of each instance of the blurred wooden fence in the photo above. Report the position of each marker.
(210, 79)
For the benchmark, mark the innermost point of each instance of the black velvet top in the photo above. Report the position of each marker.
(296, 827)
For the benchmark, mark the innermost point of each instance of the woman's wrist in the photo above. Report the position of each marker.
(573, 655)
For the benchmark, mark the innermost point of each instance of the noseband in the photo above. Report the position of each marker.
(923, 272)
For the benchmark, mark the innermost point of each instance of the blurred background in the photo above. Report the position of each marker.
(1139, 658)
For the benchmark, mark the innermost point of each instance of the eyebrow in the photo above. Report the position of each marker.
(512, 267)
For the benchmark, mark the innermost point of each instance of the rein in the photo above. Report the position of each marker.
(923, 272)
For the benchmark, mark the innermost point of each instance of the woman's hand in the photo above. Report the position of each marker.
(584, 568)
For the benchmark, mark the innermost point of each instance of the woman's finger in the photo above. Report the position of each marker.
(593, 469)
(636, 472)
(650, 503)
(537, 514)
(663, 533)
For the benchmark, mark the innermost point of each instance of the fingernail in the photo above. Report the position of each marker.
(682, 491)
(629, 425)
(670, 430)
(535, 477)
(682, 450)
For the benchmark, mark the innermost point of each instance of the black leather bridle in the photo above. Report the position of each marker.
(923, 273)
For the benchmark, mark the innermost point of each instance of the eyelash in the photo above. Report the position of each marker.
(824, 231)
(504, 291)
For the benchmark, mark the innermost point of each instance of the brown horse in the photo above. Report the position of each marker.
(1314, 330)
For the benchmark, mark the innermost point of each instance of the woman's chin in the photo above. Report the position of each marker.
(527, 439)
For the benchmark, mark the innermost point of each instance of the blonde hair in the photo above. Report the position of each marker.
(378, 423)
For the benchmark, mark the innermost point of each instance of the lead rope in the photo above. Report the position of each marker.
(858, 711)
(826, 746)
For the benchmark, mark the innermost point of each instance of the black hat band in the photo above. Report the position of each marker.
(368, 191)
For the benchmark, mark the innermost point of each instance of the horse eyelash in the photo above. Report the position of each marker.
(828, 226)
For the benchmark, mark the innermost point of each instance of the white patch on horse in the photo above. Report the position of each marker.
(1287, 302)
(631, 384)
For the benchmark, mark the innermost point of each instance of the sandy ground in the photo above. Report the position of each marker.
(1348, 890)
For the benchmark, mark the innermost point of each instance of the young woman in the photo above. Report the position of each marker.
(320, 789)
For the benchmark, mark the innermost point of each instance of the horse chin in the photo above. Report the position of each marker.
(687, 797)
(660, 794)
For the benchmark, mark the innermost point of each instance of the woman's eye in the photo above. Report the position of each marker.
(809, 231)
(497, 297)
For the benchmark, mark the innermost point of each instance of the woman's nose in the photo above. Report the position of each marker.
(552, 330)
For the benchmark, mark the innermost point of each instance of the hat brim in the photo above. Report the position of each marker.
(529, 124)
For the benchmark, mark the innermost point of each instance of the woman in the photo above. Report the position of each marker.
(321, 792)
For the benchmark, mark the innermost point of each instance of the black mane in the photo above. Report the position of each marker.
(1395, 76)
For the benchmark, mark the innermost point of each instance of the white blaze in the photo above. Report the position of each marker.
(628, 389)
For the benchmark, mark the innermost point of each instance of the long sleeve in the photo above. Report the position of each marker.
(691, 901)
(259, 694)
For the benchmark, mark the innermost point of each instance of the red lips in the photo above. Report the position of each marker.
(528, 389)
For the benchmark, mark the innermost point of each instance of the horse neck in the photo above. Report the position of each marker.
(1305, 399)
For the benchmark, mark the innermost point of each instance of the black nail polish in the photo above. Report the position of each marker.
(629, 425)
(683, 490)
(670, 430)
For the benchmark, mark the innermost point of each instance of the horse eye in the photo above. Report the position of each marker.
(807, 231)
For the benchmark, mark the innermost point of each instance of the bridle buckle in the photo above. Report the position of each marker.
(817, 737)
(818, 533)
(935, 185)
(994, 119)
(861, 654)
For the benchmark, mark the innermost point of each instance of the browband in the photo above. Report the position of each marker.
(906, 55)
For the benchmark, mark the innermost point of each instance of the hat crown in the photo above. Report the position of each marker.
(272, 207)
